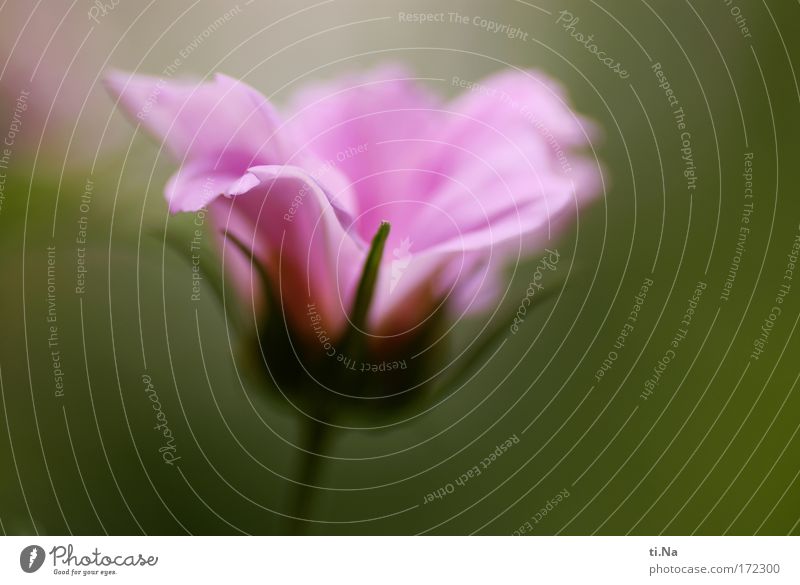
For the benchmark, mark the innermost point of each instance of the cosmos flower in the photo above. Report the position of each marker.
(467, 186)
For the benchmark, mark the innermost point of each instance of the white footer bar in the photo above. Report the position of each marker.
(401, 560)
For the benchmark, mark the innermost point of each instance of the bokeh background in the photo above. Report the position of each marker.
(713, 450)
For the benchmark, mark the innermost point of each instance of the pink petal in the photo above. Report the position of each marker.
(195, 185)
(501, 186)
(295, 231)
(223, 118)
(360, 124)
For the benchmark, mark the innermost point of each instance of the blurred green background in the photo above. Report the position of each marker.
(712, 450)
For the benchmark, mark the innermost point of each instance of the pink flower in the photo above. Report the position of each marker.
(467, 185)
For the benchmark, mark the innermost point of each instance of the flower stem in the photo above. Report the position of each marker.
(310, 467)
(353, 343)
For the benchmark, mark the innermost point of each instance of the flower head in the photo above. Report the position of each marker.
(466, 185)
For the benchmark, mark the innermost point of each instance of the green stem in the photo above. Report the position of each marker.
(310, 467)
(353, 344)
